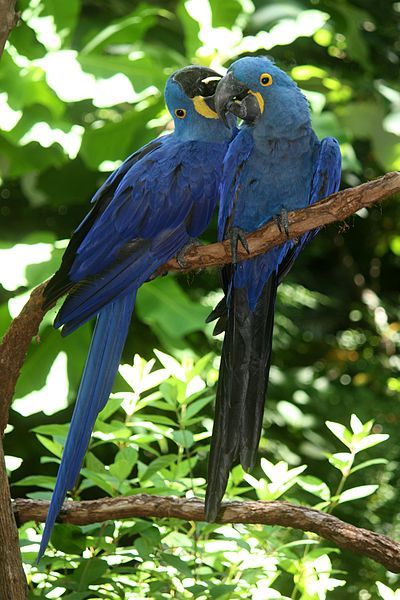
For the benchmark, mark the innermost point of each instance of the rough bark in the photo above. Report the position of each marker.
(8, 19)
(14, 347)
(12, 577)
(377, 547)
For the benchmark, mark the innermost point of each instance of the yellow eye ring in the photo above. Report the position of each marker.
(180, 113)
(265, 79)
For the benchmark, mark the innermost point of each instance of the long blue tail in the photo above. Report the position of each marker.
(98, 377)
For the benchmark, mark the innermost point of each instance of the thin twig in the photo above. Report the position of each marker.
(336, 207)
(362, 541)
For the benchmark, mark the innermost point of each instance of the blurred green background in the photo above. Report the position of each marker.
(81, 87)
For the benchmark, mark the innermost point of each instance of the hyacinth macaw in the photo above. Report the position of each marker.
(273, 165)
(146, 212)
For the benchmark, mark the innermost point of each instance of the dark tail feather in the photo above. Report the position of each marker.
(97, 380)
(260, 362)
(243, 378)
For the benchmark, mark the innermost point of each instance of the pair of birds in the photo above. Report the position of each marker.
(151, 207)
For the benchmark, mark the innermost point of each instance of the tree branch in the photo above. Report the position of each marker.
(12, 577)
(362, 541)
(8, 19)
(336, 207)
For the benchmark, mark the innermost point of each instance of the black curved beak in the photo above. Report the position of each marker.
(235, 97)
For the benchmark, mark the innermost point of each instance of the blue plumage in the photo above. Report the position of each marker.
(144, 214)
(274, 164)
(97, 380)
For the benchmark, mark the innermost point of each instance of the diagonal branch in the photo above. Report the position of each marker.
(362, 541)
(336, 207)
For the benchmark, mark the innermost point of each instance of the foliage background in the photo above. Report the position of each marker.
(81, 87)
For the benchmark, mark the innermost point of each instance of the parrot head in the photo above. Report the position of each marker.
(189, 95)
(260, 93)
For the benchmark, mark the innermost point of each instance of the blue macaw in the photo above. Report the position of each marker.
(146, 212)
(273, 165)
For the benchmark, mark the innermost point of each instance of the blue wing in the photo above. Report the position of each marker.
(159, 202)
(326, 181)
(238, 153)
(61, 282)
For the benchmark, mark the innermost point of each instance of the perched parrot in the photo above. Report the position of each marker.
(273, 165)
(146, 212)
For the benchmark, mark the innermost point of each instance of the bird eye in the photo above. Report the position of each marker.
(180, 113)
(265, 79)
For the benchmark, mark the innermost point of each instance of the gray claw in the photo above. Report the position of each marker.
(282, 221)
(180, 257)
(236, 235)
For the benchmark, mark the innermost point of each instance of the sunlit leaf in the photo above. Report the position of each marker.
(357, 492)
(370, 441)
(314, 486)
(340, 432)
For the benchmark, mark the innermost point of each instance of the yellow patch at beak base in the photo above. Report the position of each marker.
(203, 109)
(259, 99)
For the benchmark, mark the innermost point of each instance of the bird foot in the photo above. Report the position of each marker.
(180, 257)
(236, 235)
(282, 221)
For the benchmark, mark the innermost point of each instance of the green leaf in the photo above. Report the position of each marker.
(195, 407)
(352, 20)
(314, 486)
(369, 463)
(191, 29)
(127, 30)
(357, 492)
(342, 461)
(340, 432)
(116, 140)
(164, 296)
(94, 464)
(180, 565)
(356, 424)
(173, 367)
(57, 431)
(23, 38)
(53, 447)
(68, 538)
(385, 592)
(158, 464)
(224, 14)
(183, 438)
(222, 590)
(110, 408)
(101, 480)
(63, 15)
(371, 440)
(43, 481)
(124, 462)
(90, 572)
